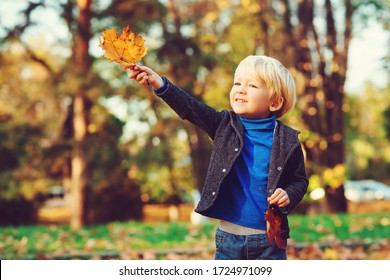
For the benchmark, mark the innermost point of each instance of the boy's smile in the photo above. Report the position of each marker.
(240, 100)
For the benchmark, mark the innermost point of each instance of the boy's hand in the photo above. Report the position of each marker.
(145, 76)
(279, 198)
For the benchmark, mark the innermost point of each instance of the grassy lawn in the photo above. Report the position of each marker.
(53, 241)
(342, 227)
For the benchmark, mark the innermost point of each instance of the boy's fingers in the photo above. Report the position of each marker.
(131, 67)
(142, 74)
(141, 77)
(132, 74)
(273, 200)
(144, 80)
(275, 194)
(134, 71)
(284, 201)
(279, 198)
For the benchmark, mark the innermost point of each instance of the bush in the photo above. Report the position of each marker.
(17, 212)
(115, 202)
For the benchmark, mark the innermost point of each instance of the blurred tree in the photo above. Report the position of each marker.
(81, 107)
(67, 152)
(23, 125)
(322, 99)
(24, 107)
(156, 160)
(367, 142)
(313, 39)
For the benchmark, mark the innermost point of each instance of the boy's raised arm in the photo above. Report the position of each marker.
(185, 105)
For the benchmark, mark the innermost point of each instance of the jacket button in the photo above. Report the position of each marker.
(213, 193)
(224, 170)
(236, 149)
(279, 168)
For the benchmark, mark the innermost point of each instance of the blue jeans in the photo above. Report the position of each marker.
(246, 247)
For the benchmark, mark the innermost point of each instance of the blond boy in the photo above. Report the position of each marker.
(256, 161)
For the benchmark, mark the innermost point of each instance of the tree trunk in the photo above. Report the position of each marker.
(322, 99)
(82, 67)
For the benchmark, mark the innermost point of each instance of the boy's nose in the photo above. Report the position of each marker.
(241, 90)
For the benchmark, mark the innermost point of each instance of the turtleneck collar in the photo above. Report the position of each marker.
(259, 124)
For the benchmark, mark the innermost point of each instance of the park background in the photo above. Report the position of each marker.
(93, 165)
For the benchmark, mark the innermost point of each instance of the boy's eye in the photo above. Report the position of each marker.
(252, 85)
(237, 84)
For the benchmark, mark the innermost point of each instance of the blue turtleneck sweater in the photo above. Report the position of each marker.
(243, 196)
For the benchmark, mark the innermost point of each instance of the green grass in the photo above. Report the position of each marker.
(342, 227)
(31, 242)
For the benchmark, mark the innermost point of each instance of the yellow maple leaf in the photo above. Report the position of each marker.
(125, 49)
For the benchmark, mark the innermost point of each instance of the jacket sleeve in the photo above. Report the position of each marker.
(297, 183)
(191, 109)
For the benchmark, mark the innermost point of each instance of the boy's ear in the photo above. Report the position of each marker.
(276, 104)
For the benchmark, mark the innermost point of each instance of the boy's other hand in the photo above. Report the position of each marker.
(279, 198)
(145, 76)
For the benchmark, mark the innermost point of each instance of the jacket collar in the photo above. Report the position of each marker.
(285, 137)
(237, 125)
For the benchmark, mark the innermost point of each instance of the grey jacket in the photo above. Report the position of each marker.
(286, 171)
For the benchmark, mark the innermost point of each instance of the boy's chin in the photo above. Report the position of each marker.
(240, 113)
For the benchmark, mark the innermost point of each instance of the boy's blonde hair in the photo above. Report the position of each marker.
(275, 76)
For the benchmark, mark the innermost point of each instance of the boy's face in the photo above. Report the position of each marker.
(249, 97)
